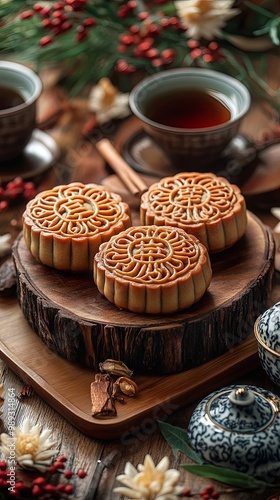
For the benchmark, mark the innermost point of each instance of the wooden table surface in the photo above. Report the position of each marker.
(81, 451)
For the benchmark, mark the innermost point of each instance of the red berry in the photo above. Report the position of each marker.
(89, 21)
(68, 474)
(151, 53)
(168, 55)
(46, 23)
(40, 481)
(157, 62)
(153, 29)
(63, 458)
(195, 53)
(3, 205)
(37, 7)
(36, 490)
(27, 14)
(126, 39)
(60, 487)
(20, 485)
(45, 12)
(186, 493)
(45, 40)
(58, 6)
(193, 44)
(213, 46)
(69, 489)
(146, 44)
(123, 11)
(49, 488)
(121, 66)
(81, 33)
(59, 465)
(18, 181)
(215, 494)
(208, 58)
(131, 4)
(134, 29)
(143, 15)
(3, 465)
(82, 473)
(66, 25)
(52, 469)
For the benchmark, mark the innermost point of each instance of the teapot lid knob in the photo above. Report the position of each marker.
(241, 396)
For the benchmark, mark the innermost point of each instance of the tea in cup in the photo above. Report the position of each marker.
(191, 113)
(20, 88)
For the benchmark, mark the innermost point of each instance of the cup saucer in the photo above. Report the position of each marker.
(37, 157)
(236, 163)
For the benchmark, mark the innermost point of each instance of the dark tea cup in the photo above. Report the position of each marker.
(20, 88)
(191, 113)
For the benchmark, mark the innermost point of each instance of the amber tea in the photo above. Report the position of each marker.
(9, 98)
(189, 109)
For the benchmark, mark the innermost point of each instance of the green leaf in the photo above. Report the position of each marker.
(259, 10)
(274, 31)
(178, 439)
(227, 476)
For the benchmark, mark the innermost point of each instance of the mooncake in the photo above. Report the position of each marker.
(63, 227)
(152, 269)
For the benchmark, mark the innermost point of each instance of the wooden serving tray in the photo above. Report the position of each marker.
(76, 321)
(66, 386)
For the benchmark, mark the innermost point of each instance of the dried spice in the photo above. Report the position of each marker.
(113, 367)
(126, 386)
(102, 396)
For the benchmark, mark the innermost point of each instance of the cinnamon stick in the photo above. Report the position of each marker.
(128, 176)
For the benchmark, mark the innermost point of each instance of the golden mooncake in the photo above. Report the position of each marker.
(202, 204)
(64, 226)
(152, 269)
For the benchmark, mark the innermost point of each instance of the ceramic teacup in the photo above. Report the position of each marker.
(20, 88)
(191, 113)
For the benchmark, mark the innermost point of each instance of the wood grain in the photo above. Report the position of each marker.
(75, 320)
(66, 386)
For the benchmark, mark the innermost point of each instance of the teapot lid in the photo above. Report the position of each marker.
(242, 409)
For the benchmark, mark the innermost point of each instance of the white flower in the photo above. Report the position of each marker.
(107, 102)
(33, 448)
(5, 244)
(204, 18)
(148, 482)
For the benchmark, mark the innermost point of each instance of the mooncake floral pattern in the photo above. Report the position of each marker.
(76, 210)
(151, 254)
(191, 198)
(207, 206)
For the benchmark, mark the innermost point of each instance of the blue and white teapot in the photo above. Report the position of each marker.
(238, 427)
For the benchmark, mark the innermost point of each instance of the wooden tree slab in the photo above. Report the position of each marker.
(74, 320)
